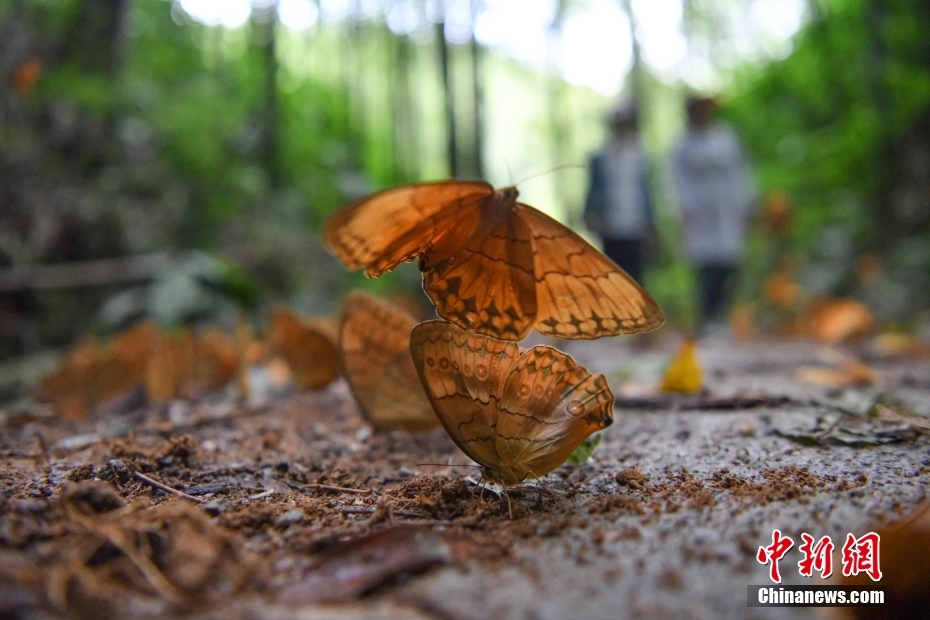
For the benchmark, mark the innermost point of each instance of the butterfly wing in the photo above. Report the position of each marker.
(487, 285)
(463, 374)
(580, 293)
(550, 405)
(308, 347)
(381, 231)
(374, 338)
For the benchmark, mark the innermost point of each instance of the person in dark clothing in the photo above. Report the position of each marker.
(618, 206)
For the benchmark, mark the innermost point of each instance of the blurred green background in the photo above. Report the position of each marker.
(197, 145)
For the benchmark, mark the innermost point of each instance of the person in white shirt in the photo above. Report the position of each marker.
(618, 205)
(716, 197)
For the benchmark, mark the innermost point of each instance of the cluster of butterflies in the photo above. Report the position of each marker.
(494, 268)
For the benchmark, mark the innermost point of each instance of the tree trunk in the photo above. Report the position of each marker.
(882, 227)
(406, 136)
(636, 72)
(94, 37)
(449, 100)
(265, 23)
(477, 101)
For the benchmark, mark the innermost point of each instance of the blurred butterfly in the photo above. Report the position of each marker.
(308, 347)
(516, 414)
(375, 344)
(492, 264)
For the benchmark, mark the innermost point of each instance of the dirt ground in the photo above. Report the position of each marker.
(294, 508)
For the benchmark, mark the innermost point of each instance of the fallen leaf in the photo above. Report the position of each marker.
(781, 291)
(684, 375)
(777, 212)
(851, 374)
(894, 344)
(837, 320)
(743, 321)
(905, 565)
(815, 427)
(349, 569)
(869, 269)
(26, 75)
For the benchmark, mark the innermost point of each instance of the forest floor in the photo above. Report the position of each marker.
(294, 508)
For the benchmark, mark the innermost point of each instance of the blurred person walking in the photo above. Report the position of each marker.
(716, 196)
(618, 206)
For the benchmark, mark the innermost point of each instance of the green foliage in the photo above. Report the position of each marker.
(833, 125)
(582, 453)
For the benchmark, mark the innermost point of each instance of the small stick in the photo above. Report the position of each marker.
(162, 487)
(368, 511)
(330, 487)
(43, 448)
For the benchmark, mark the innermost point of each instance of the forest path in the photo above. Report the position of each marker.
(294, 508)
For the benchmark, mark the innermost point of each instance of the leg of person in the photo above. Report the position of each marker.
(715, 282)
(627, 253)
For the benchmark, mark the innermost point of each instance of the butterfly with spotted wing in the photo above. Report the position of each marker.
(517, 414)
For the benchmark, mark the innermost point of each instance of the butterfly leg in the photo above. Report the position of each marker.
(509, 505)
(481, 484)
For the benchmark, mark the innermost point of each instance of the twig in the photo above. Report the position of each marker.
(162, 487)
(330, 487)
(368, 511)
(85, 273)
(43, 448)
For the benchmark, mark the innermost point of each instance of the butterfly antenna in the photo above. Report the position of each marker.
(544, 172)
(543, 486)
(442, 465)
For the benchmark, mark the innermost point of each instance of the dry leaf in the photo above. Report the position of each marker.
(26, 75)
(854, 373)
(743, 321)
(684, 375)
(869, 269)
(781, 291)
(905, 565)
(309, 347)
(348, 569)
(892, 344)
(836, 320)
(777, 213)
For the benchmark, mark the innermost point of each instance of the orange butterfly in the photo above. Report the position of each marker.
(375, 341)
(492, 264)
(308, 346)
(516, 414)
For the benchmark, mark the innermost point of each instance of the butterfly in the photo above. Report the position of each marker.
(517, 414)
(374, 338)
(308, 347)
(491, 264)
